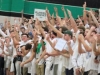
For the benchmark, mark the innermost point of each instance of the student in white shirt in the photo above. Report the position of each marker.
(32, 59)
(90, 56)
(8, 50)
(67, 48)
(24, 41)
(69, 44)
(39, 49)
(96, 49)
(26, 52)
(49, 59)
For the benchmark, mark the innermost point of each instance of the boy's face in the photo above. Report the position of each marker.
(23, 30)
(66, 36)
(24, 38)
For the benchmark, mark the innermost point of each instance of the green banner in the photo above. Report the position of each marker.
(29, 6)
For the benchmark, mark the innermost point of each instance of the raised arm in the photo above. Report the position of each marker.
(63, 9)
(80, 50)
(17, 35)
(80, 21)
(73, 23)
(52, 21)
(84, 13)
(39, 26)
(54, 29)
(56, 11)
(59, 20)
(22, 16)
(48, 14)
(15, 41)
(85, 45)
(95, 47)
(94, 18)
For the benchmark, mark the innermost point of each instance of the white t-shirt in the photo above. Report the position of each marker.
(24, 43)
(89, 63)
(75, 48)
(27, 56)
(68, 63)
(49, 48)
(92, 65)
(66, 46)
(56, 58)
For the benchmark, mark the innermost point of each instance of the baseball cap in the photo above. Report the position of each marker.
(68, 32)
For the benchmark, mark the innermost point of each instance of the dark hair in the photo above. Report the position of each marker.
(28, 46)
(42, 37)
(82, 27)
(22, 28)
(63, 28)
(45, 29)
(26, 20)
(22, 23)
(0, 35)
(82, 33)
(54, 33)
(11, 31)
(57, 28)
(25, 34)
(94, 32)
(94, 25)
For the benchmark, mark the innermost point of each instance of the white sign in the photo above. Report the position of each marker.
(40, 14)
(60, 44)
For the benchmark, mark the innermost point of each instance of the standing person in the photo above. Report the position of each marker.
(48, 49)
(66, 52)
(49, 59)
(26, 52)
(39, 49)
(24, 41)
(68, 37)
(8, 50)
(29, 58)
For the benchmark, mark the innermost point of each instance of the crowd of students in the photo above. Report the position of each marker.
(28, 47)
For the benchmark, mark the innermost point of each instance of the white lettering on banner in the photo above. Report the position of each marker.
(40, 14)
